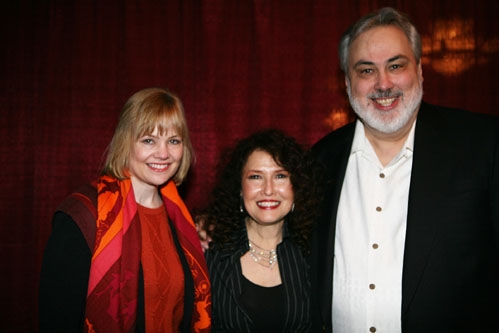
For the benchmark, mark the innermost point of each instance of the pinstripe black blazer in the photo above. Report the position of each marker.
(227, 281)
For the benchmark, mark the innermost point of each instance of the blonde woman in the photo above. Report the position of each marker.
(124, 255)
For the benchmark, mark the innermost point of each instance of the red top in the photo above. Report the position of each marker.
(163, 274)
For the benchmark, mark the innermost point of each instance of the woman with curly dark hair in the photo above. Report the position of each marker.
(259, 221)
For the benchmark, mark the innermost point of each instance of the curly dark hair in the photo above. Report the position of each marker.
(222, 218)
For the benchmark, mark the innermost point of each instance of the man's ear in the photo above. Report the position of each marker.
(420, 72)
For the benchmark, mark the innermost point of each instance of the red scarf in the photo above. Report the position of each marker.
(114, 273)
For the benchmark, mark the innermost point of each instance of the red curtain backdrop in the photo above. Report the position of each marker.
(67, 67)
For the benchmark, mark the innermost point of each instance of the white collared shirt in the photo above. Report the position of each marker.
(370, 237)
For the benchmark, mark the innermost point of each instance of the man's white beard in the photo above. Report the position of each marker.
(389, 121)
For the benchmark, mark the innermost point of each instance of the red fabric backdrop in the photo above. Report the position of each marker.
(67, 67)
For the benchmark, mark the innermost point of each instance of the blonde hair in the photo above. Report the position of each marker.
(145, 111)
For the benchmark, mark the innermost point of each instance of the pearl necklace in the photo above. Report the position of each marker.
(266, 258)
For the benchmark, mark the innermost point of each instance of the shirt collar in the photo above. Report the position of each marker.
(361, 143)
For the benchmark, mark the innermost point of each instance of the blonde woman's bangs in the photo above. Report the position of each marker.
(161, 117)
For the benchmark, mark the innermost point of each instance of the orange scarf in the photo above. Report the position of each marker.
(114, 273)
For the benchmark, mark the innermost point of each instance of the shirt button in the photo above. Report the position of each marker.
(372, 329)
(382, 175)
(372, 286)
(375, 246)
(378, 209)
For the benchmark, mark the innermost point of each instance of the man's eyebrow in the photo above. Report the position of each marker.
(370, 63)
(362, 62)
(397, 57)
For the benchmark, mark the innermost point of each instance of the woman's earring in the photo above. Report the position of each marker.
(293, 207)
(241, 202)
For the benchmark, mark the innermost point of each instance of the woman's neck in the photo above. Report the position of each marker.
(265, 236)
(146, 195)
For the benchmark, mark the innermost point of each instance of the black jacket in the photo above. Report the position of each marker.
(450, 279)
(226, 279)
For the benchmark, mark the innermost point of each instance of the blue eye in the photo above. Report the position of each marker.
(175, 141)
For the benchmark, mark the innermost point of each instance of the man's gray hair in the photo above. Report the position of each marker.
(384, 17)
